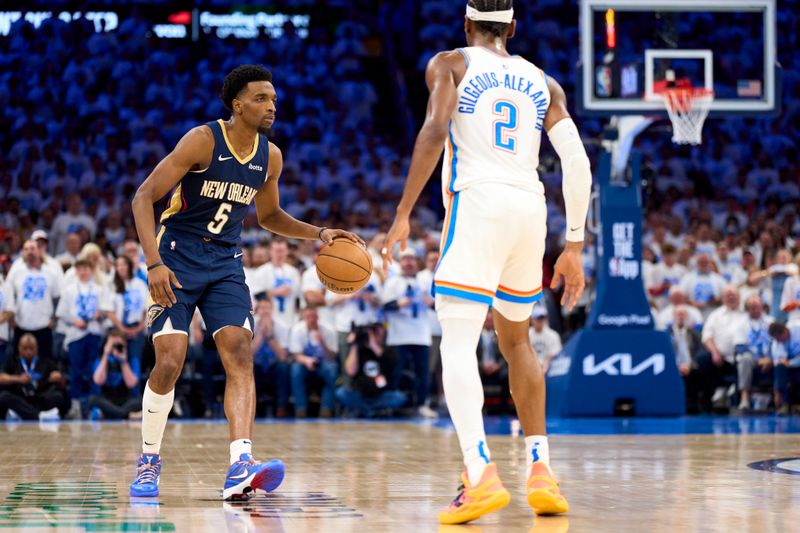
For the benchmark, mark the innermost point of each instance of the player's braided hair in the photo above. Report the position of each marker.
(237, 80)
(498, 29)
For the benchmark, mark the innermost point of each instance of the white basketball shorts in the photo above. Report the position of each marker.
(492, 248)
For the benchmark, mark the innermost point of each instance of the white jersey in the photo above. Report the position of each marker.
(496, 129)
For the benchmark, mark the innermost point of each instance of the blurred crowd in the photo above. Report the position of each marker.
(88, 115)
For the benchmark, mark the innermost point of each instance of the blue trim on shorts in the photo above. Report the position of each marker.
(500, 295)
(480, 298)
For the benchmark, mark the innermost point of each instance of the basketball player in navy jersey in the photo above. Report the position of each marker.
(217, 170)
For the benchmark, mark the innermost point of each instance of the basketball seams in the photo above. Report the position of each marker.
(347, 261)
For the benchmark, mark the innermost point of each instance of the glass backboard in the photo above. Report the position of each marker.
(630, 48)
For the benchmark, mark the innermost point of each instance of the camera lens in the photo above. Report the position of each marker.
(118, 347)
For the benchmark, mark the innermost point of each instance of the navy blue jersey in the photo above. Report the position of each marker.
(212, 203)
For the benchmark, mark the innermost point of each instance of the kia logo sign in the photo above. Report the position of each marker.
(621, 364)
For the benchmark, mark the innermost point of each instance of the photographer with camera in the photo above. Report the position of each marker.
(116, 380)
(368, 366)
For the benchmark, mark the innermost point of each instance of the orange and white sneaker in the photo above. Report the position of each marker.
(474, 501)
(543, 494)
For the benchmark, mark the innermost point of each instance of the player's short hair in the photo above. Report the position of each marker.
(237, 79)
(498, 29)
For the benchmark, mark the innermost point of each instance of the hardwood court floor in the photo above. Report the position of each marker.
(389, 476)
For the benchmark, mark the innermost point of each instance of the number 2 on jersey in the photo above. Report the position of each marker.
(507, 123)
(216, 225)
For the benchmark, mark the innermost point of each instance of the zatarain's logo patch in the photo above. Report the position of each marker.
(153, 313)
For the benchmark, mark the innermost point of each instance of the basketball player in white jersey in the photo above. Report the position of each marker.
(489, 109)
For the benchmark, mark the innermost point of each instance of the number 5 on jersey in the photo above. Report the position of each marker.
(216, 225)
(505, 125)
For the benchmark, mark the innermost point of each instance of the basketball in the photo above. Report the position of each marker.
(343, 266)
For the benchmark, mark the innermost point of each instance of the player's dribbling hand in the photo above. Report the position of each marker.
(568, 267)
(161, 280)
(397, 233)
(329, 234)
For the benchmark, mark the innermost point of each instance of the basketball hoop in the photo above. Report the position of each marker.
(688, 108)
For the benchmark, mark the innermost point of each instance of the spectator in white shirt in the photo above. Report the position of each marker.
(70, 222)
(753, 362)
(790, 299)
(83, 306)
(720, 335)
(280, 281)
(132, 250)
(68, 257)
(729, 266)
(665, 318)
(48, 263)
(35, 288)
(409, 329)
(664, 275)
(703, 287)
(130, 305)
(546, 342)
(6, 314)
(425, 278)
(312, 345)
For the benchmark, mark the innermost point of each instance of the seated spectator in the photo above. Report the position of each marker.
(32, 386)
(729, 267)
(82, 308)
(545, 341)
(73, 247)
(677, 298)
(314, 353)
(720, 335)
(703, 287)
(6, 315)
(491, 363)
(367, 365)
(686, 343)
(785, 350)
(790, 298)
(664, 276)
(753, 364)
(270, 358)
(116, 381)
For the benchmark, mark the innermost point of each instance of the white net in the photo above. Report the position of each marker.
(688, 108)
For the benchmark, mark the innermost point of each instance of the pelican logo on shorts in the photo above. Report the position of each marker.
(153, 313)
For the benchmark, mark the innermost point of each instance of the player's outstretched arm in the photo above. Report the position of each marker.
(194, 150)
(576, 187)
(273, 218)
(439, 75)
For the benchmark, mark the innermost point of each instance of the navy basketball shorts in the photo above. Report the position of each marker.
(212, 277)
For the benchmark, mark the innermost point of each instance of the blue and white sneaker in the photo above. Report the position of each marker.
(247, 475)
(148, 473)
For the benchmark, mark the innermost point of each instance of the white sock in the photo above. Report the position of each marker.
(238, 447)
(536, 449)
(155, 411)
(462, 322)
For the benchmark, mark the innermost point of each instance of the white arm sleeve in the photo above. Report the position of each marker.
(577, 181)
